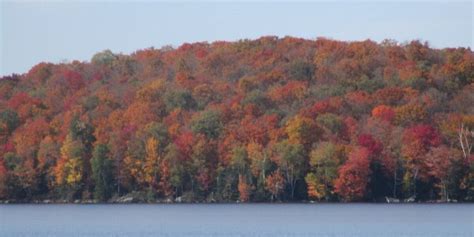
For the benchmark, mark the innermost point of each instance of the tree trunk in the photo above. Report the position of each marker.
(395, 183)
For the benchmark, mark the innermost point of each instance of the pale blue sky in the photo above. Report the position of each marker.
(57, 31)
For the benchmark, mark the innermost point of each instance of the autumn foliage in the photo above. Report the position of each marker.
(271, 119)
(353, 177)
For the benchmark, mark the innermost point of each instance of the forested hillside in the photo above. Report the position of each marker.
(272, 119)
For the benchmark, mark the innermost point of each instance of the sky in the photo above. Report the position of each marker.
(59, 31)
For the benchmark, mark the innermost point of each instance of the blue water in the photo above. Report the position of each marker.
(272, 220)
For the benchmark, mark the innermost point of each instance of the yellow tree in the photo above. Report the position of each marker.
(409, 114)
(152, 163)
(302, 130)
(69, 169)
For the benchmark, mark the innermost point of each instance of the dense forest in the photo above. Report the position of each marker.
(271, 119)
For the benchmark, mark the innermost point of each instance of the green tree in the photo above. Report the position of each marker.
(301, 70)
(177, 169)
(207, 123)
(9, 120)
(104, 58)
(324, 161)
(332, 123)
(102, 172)
(182, 99)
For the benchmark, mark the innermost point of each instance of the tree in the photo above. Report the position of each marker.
(291, 160)
(457, 129)
(353, 176)
(82, 131)
(3, 180)
(389, 96)
(48, 154)
(9, 121)
(204, 94)
(417, 140)
(151, 92)
(315, 187)
(385, 142)
(28, 137)
(331, 123)
(275, 184)
(301, 70)
(240, 162)
(381, 163)
(25, 107)
(177, 168)
(302, 130)
(465, 135)
(260, 165)
(19, 177)
(287, 94)
(259, 162)
(102, 172)
(152, 164)
(441, 165)
(203, 165)
(104, 58)
(373, 146)
(244, 189)
(207, 123)
(409, 114)
(383, 112)
(324, 162)
(69, 169)
(182, 99)
(218, 121)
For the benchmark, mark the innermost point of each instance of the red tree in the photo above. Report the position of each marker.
(353, 175)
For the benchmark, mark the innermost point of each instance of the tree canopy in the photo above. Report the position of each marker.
(253, 120)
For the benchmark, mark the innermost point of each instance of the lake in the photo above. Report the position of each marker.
(272, 220)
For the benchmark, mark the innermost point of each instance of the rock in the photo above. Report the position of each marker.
(126, 200)
(178, 199)
(410, 199)
(392, 200)
(77, 201)
(46, 201)
(121, 199)
(89, 201)
(133, 197)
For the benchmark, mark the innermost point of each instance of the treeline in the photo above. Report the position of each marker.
(272, 119)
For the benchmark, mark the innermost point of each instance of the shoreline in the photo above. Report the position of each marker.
(164, 202)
